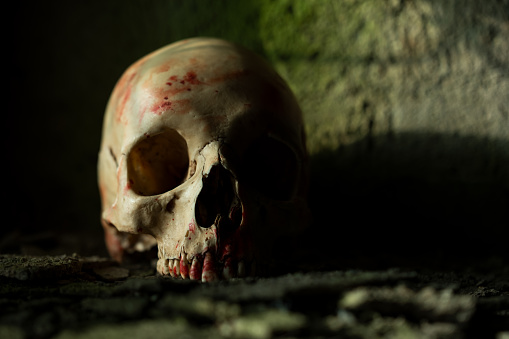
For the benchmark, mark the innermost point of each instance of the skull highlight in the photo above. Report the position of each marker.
(203, 151)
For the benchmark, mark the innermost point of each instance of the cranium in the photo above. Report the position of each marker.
(203, 150)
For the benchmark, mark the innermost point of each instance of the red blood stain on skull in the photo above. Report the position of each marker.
(176, 84)
(191, 78)
(209, 270)
(195, 272)
(124, 93)
(123, 89)
(113, 243)
(128, 186)
(184, 269)
(162, 107)
(235, 244)
(192, 227)
(227, 250)
(125, 98)
(163, 68)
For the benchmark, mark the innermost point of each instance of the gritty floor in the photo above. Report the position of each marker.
(73, 296)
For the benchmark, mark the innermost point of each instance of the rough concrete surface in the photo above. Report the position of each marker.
(391, 303)
(367, 69)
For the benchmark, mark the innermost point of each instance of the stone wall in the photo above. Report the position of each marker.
(407, 112)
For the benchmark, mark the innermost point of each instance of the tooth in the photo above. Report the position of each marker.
(241, 269)
(176, 268)
(195, 272)
(184, 266)
(166, 270)
(170, 267)
(162, 266)
(226, 273)
(228, 269)
(209, 270)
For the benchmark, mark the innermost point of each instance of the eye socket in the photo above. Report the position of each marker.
(158, 163)
(271, 167)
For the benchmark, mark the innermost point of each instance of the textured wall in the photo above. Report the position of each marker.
(381, 68)
(406, 107)
(407, 112)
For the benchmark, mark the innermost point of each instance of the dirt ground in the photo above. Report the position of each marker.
(71, 296)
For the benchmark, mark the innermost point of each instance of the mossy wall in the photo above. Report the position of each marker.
(406, 105)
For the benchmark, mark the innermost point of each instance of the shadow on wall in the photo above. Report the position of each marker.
(393, 201)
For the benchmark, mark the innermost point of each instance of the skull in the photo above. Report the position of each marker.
(203, 151)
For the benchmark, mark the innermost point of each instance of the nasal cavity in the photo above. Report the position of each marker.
(216, 198)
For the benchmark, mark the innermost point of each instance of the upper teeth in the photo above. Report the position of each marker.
(205, 270)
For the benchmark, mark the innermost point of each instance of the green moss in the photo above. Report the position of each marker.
(324, 50)
(286, 29)
(310, 29)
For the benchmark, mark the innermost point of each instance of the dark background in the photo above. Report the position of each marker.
(63, 60)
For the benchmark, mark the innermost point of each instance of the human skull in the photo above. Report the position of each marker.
(203, 150)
